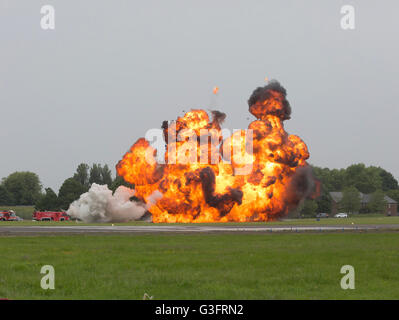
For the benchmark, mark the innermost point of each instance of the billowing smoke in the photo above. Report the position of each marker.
(264, 100)
(100, 205)
(218, 116)
(304, 185)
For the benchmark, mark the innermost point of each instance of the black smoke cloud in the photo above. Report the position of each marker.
(304, 185)
(262, 94)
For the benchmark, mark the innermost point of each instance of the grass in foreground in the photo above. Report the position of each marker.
(225, 266)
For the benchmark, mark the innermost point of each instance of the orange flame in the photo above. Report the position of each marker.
(215, 90)
(218, 185)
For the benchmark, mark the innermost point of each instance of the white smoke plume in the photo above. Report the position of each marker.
(100, 205)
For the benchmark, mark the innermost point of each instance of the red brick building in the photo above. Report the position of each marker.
(391, 208)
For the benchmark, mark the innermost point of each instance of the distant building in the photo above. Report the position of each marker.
(391, 208)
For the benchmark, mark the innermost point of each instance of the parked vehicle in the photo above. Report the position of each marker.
(322, 215)
(341, 215)
(50, 216)
(9, 215)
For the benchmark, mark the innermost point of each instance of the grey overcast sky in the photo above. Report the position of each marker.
(110, 70)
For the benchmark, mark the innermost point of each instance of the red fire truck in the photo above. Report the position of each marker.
(50, 216)
(8, 215)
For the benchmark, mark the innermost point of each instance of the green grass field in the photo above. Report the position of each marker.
(207, 266)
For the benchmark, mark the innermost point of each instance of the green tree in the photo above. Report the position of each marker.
(119, 181)
(96, 174)
(377, 202)
(337, 179)
(106, 175)
(48, 201)
(350, 200)
(332, 180)
(82, 175)
(70, 191)
(324, 202)
(394, 194)
(100, 175)
(366, 180)
(6, 197)
(25, 187)
(309, 208)
(388, 180)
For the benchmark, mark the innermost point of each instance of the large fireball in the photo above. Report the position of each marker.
(259, 174)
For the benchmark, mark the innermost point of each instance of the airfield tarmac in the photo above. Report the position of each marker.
(162, 229)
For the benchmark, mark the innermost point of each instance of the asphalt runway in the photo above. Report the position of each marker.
(154, 229)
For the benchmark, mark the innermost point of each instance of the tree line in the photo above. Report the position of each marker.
(25, 188)
(351, 181)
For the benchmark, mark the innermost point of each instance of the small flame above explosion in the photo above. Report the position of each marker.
(205, 190)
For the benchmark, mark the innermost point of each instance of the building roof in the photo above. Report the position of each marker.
(390, 200)
(364, 198)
